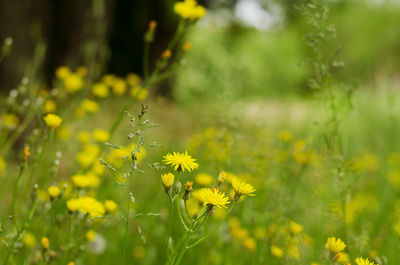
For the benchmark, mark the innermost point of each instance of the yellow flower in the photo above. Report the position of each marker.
(295, 228)
(211, 197)
(133, 79)
(242, 188)
(49, 106)
(188, 186)
(10, 121)
(87, 180)
(73, 83)
(167, 180)
(86, 205)
(90, 235)
(101, 136)
(335, 245)
(119, 86)
(362, 261)
(29, 240)
(52, 120)
(166, 54)
(204, 179)
(100, 90)
(189, 9)
(249, 243)
(62, 72)
(53, 191)
(110, 206)
(84, 137)
(71, 263)
(90, 106)
(276, 251)
(341, 257)
(187, 46)
(181, 162)
(45, 243)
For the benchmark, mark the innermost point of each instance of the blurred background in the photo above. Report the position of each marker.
(252, 48)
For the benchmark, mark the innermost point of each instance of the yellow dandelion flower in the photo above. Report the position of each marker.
(204, 179)
(45, 243)
(53, 191)
(49, 106)
(110, 206)
(189, 9)
(81, 181)
(71, 263)
(119, 87)
(276, 251)
(249, 243)
(29, 240)
(362, 261)
(62, 72)
(73, 83)
(181, 161)
(167, 180)
(335, 245)
(100, 90)
(10, 121)
(101, 136)
(295, 228)
(242, 188)
(341, 257)
(133, 79)
(211, 197)
(86, 205)
(90, 235)
(52, 120)
(90, 106)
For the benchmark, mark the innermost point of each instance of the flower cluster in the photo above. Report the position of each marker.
(189, 9)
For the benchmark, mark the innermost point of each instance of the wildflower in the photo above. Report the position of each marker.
(204, 179)
(49, 106)
(152, 26)
(189, 9)
(100, 90)
(110, 206)
(341, 257)
(90, 106)
(166, 54)
(181, 162)
(133, 79)
(222, 176)
(212, 197)
(29, 240)
(249, 243)
(27, 152)
(242, 188)
(90, 235)
(10, 121)
(187, 46)
(84, 137)
(335, 245)
(188, 189)
(101, 136)
(62, 72)
(119, 86)
(73, 83)
(168, 181)
(276, 251)
(45, 243)
(86, 205)
(52, 120)
(295, 228)
(71, 263)
(53, 191)
(362, 261)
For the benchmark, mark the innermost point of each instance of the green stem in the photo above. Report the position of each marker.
(171, 212)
